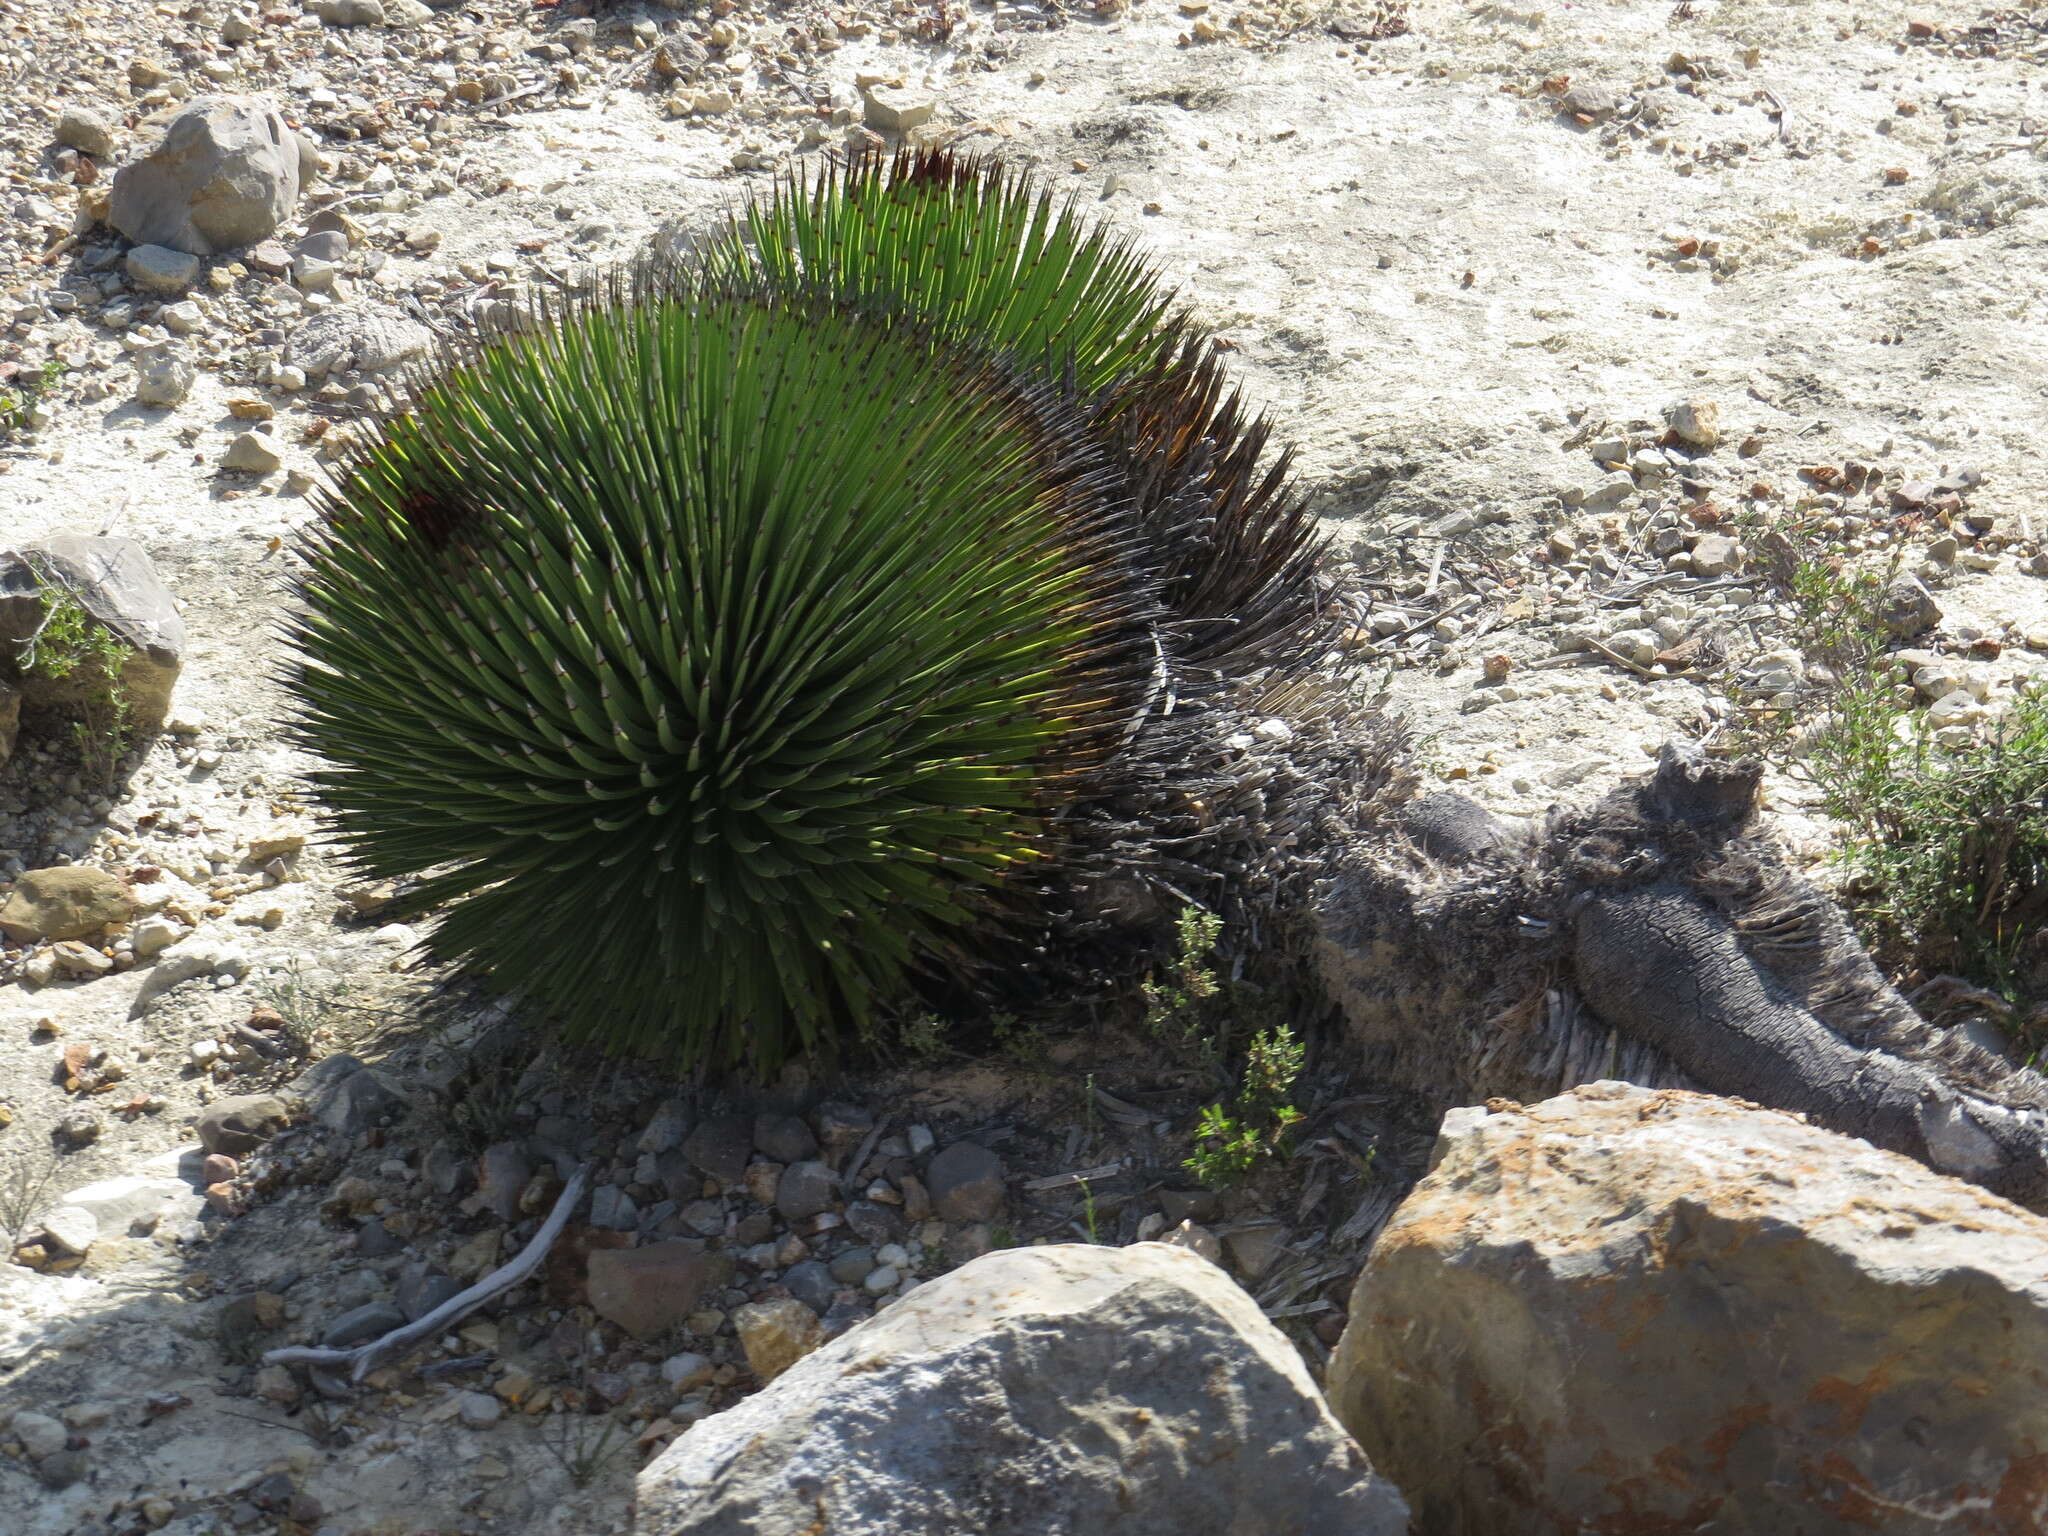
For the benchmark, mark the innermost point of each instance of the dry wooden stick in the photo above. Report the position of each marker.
(365, 1358)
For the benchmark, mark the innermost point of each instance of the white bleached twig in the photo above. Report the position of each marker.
(365, 1358)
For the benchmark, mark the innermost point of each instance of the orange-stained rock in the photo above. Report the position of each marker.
(1631, 1310)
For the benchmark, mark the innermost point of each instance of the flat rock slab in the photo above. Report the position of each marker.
(1627, 1309)
(1067, 1390)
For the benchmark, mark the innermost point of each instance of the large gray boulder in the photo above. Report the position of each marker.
(116, 584)
(1634, 1309)
(228, 173)
(1057, 1391)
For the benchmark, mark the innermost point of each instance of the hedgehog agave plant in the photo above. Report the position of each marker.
(723, 648)
(992, 260)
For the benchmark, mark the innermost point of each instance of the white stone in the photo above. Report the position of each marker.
(686, 1371)
(162, 375)
(135, 1203)
(227, 173)
(479, 1410)
(153, 935)
(72, 1228)
(891, 109)
(40, 1435)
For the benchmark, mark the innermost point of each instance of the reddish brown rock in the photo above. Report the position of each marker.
(648, 1290)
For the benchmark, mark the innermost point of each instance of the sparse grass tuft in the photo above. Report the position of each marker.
(22, 1188)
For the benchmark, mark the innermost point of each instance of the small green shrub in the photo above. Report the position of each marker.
(24, 393)
(1175, 1003)
(1230, 1143)
(1947, 846)
(70, 646)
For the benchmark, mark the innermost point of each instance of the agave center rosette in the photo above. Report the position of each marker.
(715, 655)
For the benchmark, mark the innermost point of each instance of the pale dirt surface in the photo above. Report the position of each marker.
(1440, 286)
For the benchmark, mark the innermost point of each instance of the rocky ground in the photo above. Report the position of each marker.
(1565, 308)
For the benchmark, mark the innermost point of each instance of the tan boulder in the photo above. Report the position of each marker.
(71, 901)
(1627, 1309)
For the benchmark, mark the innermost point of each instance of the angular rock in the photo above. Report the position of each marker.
(1112, 1391)
(891, 109)
(1908, 608)
(227, 173)
(873, 1223)
(686, 1371)
(135, 1203)
(811, 1283)
(648, 1290)
(114, 581)
(1696, 423)
(64, 1469)
(40, 1435)
(420, 1290)
(1655, 1310)
(89, 130)
(164, 376)
(613, 1209)
(71, 1229)
(502, 1173)
(1589, 99)
(153, 935)
(1716, 555)
(966, 1183)
(721, 1147)
(80, 961)
(776, 1334)
(252, 453)
(665, 1129)
(241, 1124)
(841, 1129)
(10, 718)
(372, 1320)
(447, 1172)
(347, 1095)
(160, 269)
(72, 901)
